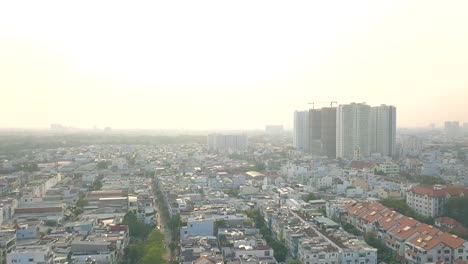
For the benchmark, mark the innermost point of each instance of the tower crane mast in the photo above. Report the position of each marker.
(314, 103)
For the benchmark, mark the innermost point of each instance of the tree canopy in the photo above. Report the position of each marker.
(457, 209)
(400, 206)
(384, 254)
(279, 248)
(152, 251)
(137, 229)
(310, 197)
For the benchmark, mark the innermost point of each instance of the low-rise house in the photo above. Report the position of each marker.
(37, 254)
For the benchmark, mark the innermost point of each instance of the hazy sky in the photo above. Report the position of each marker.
(228, 64)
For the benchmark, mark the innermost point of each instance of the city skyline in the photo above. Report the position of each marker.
(209, 64)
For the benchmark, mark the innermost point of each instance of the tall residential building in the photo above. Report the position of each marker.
(301, 130)
(315, 131)
(219, 142)
(352, 131)
(382, 136)
(328, 134)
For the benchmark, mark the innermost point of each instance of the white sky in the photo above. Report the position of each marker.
(228, 64)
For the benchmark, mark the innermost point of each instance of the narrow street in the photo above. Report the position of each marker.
(162, 226)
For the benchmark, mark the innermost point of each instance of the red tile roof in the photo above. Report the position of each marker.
(448, 221)
(452, 241)
(360, 165)
(263, 247)
(433, 191)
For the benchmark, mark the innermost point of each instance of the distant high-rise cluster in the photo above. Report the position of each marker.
(452, 129)
(350, 131)
(274, 129)
(220, 142)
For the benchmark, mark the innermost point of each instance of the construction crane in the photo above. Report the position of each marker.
(331, 103)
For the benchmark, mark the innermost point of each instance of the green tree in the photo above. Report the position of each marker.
(219, 224)
(310, 197)
(77, 211)
(137, 229)
(456, 208)
(82, 202)
(423, 179)
(384, 254)
(154, 249)
(259, 166)
(400, 206)
(97, 184)
(172, 246)
(351, 229)
(379, 172)
(27, 167)
(232, 192)
(103, 165)
(279, 248)
(248, 222)
(134, 253)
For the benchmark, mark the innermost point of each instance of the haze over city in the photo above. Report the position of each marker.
(234, 132)
(228, 65)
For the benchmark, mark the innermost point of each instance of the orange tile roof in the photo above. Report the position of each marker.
(427, 236)
(428, 230)
(403, 233)
(428, 242)
(349, 204)
(452, 241)
(371, 216)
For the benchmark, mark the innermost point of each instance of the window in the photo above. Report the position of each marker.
(31, 260)
(460, 250)
(447, 251)
(267, 253)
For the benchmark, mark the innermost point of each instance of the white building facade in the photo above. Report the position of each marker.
(301, 130)
(219, 142)
(383, 130)
(352, 131)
